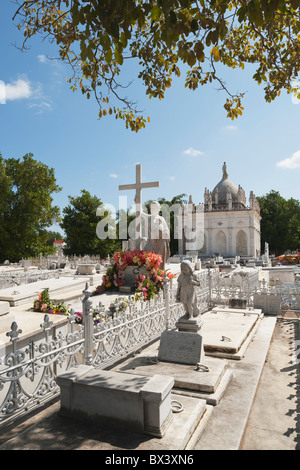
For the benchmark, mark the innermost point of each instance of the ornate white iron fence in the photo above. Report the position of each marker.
(27, 375)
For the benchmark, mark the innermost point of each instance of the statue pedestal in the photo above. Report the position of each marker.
(189, 325)
(184, 346)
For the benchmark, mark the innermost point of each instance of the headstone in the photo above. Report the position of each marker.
(84, 269)
(237, 303)
(268, 303)
(182, 347)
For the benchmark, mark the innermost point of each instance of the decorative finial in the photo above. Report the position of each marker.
(224, 169)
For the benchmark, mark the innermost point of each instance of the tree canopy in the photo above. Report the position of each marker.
(26, 207)
(280, 223)
(80, 221)
(97, 37)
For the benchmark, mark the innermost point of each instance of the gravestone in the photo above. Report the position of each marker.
(84, 269)
(184, 345)
(237, 303)
(270, 304)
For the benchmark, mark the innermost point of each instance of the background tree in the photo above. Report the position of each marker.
(97, 37)
(26, 207)
(80, 222)
(280, 224)
(52, 236)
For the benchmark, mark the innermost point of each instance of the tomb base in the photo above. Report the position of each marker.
(134, 403)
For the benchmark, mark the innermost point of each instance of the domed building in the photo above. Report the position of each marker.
(224, 225)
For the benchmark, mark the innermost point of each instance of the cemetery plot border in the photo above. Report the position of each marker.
(28, 374)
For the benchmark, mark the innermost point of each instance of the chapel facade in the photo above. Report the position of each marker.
(230, 227)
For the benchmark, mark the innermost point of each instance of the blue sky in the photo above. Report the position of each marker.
(183, 147)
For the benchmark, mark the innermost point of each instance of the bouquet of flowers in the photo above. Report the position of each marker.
(119, 305)
(149, 260)
(43, 304)
(150, 285)
(98, 317)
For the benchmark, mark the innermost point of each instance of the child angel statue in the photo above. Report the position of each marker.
(186, 290)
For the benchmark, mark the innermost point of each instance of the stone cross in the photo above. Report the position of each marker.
(138, 186)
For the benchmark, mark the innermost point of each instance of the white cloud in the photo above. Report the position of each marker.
(42, 58)
(113, 175)
(193, 152)
(40, 107)
(22, 88)
(16, 90)
(231, 128)
(292, 162)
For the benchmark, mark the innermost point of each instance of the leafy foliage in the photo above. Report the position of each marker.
(280, 224)
(97, 38)
(80, 222)
(26, 207)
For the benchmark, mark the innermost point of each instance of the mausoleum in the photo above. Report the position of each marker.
(230, 227)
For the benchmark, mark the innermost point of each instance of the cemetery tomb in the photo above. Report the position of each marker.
(227, 332)
(132, 402)
(64, 287)
(6, 317)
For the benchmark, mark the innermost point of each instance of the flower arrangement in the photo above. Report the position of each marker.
(43, 304)
(150, 285)
(147, 284)
(119, 305)
(149, 260)
(97, 317)
(112, 278)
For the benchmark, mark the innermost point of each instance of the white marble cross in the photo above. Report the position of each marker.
(138, 186)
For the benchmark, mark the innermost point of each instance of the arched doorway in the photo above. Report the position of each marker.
(241, 243)
(221, 242)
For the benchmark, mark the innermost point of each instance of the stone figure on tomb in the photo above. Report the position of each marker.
(186, 291)
(156, 233)
(224, 170)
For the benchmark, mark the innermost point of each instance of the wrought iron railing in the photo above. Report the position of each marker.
(28, 375)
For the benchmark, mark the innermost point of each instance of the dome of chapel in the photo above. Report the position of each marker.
(223, 187)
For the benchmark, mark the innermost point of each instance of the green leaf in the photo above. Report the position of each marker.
(155, 13)
(118, 56)
(108, 56)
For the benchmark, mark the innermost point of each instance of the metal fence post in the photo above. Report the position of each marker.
(88, 324)
(167, 302)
